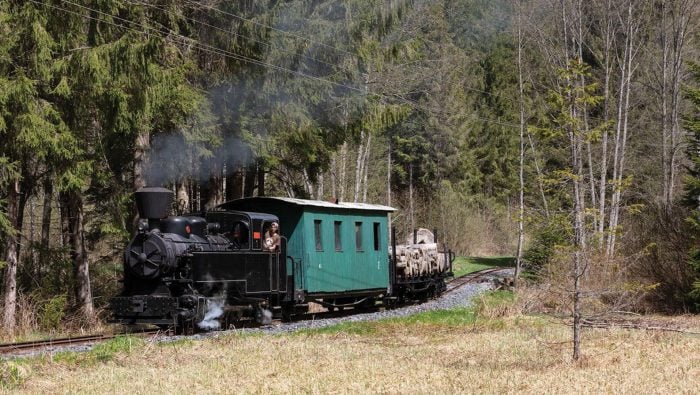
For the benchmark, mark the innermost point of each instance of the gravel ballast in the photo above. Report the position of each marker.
(461, 297)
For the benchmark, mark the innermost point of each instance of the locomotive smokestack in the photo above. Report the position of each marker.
(153, 203)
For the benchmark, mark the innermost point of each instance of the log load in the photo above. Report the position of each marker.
(420, 259)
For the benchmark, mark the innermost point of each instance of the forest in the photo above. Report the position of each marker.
(565, 133)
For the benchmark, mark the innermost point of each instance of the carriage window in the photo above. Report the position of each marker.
(376, 236)
(317, 233)
(358, 236)
(338, 238)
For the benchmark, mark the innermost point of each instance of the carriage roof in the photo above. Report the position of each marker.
(234, 204)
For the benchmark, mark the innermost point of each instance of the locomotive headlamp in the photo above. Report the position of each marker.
(142, 225)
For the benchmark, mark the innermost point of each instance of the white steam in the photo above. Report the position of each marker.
(215, 309)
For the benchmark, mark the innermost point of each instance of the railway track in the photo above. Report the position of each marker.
(469, 278)
(10, 349)
(36, 345)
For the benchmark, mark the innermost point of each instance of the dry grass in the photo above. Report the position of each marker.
(522, 354)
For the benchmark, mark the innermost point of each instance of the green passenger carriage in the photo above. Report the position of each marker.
(337, 253)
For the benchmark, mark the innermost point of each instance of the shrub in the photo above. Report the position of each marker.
(551, 235)
(52, 312)
(667, 257)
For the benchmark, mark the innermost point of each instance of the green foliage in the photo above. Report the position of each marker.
(13, 373)
(105, 351)
(549, 237)
(52, 312)
(692, 186)
(451, 317)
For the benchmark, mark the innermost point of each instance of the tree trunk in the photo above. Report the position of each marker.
(577, 307)
(365, 168)
(602, 186)
(11, 258)
(261, 179)
(343, 173)
(215, 195)
(334, 176)
(540, 186)
(182, 196)
(410, 196)
(142, 146)
(308, 186)
(682, 14)
(388, 176)
(388, 189)
(83, 293)
(621, 136)
(359, 163)
(665, 162)
(249, 181)
(45, 226)
(521, 178)
(319, 190)
(234, 181)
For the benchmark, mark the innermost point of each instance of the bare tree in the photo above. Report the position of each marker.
(631, 22)
(521, 178)
(673, 31)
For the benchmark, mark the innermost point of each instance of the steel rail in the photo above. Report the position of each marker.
(12, 348)
(465, 279)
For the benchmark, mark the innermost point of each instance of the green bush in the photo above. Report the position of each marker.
(550, 236)
(52, 312)
(694, 294)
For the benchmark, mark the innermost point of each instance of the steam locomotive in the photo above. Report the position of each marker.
(204, 269)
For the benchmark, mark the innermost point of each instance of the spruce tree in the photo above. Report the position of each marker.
(692, 185)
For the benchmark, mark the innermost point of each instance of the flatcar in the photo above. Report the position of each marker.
(202, 269)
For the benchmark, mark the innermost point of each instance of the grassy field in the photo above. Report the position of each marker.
(467, 264)
(457, 351)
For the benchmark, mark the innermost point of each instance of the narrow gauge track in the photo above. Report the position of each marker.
(34, 345)
(9, 349)
(460, 281)
(453, 285)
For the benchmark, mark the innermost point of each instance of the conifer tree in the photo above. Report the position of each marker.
(692, 185)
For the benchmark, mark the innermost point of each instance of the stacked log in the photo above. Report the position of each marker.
(420, 259)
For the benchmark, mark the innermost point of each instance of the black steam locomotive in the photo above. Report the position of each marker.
(199, 270)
